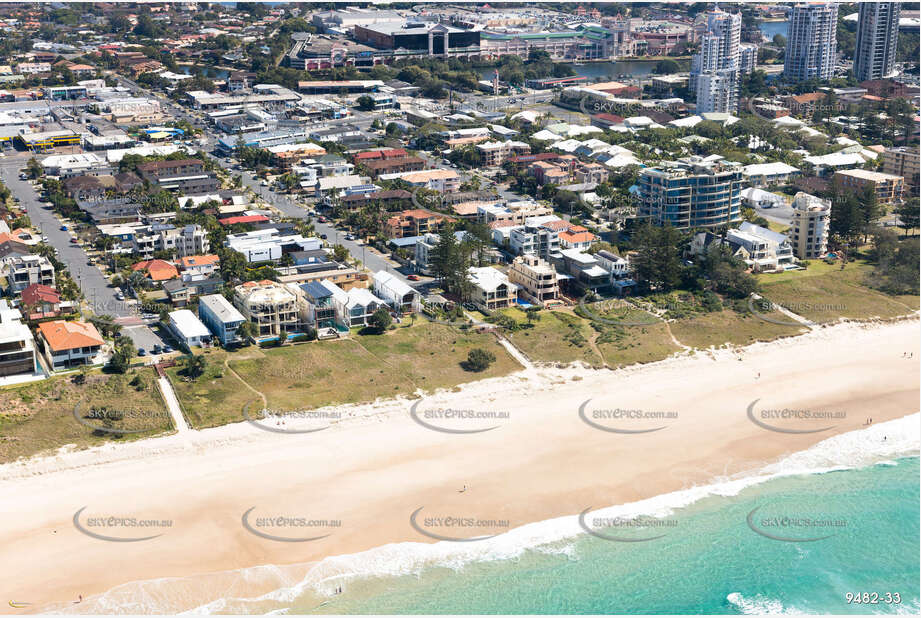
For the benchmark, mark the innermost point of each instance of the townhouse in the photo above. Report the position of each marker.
(401, 297)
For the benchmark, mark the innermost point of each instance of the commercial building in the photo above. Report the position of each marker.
(877, 39)
(269, 245)
(888, 187)
(690, 193)
(809, 233)
(536, 279)
(186, 175)
(811, 42)
(419, 39)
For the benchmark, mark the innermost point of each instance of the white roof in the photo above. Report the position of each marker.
(768, 169)
(526, 115)
(488, 278)
(392, 283)
(835, 159)
(788, 121)
(545, 136)
(221, 308)
(187, 324)
(689, 121)
(568, 145)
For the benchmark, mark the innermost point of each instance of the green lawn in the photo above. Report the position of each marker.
(704, 330)
(826, 294)
(215, 398)
(627, 335)
(424, 356)
(39, 417)
(557, 337)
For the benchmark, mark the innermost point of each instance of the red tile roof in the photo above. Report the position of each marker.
(62, 335)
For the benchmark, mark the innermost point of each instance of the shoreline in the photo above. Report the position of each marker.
(541, 463)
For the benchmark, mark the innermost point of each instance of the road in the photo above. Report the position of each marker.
(371, 258)
(94, 285)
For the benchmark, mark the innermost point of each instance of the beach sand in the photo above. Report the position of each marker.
(376, 466)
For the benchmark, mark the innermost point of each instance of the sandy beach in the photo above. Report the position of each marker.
(377, 466)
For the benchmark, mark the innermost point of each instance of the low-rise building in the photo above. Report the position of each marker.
(354, 307)
(888, 187)
(26, 270)
(395, 292)
(536, 279)
(221, 317)
(767, 174)
(767, 250)
(185, 175)
(17, 346)
(415, 223)
(69, 344)
(270, 306)
(491, 288)
(904, 162)
(188, 330)
(268, 245)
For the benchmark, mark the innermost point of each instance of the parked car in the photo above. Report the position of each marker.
(73, 240)
(142, 352)
(157, 349)
(323, 236)
(350, 236)
(167, 349)
(413, 277)
(119, 296)
(63, 228)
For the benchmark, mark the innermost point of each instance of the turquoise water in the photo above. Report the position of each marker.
(709, 561)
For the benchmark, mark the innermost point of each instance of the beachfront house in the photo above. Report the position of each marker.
(221, 317)
(395, 292)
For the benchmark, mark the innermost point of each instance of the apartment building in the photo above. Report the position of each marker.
(809, 233)
(497, 153)
(888, 187)
(691, 192)
(491, 288)
(877, 39)
(17, 346)
(315, 306)
(376, 167)
(811, 42)
(584, 270)
(902, 161)
(415, 223)
(269, 245)
(439, 180)
(536, 279)
(26, 270)
(221, 317)
(534, 239)
(270, 306)
(185, 175)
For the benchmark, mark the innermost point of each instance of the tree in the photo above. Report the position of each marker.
(195, 365)
(909, 215)
(657, 262)
(479, 359)
(667, 65)
(365, 103)
(380, 320)
(246, 331)
(34, 168)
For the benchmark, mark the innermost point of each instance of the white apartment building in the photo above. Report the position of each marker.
(715, 69)
(23, 271)
(811, 42)
(354, 307)
(17, 346)
(270, 306)
(811, 219)
(268, 245)
(533, 239)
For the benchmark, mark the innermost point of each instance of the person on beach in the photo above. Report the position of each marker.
(460, 491)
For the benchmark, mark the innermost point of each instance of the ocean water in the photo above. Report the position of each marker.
(796, 536)
(709, 562)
